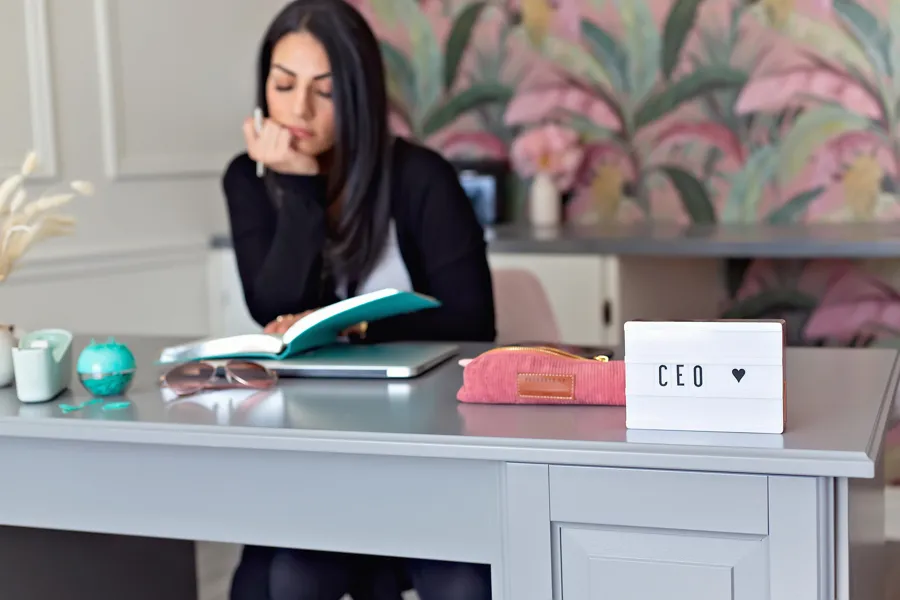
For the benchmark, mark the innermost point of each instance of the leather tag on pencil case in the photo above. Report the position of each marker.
(542, 375)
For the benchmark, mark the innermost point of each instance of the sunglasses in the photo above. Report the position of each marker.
(190, 378)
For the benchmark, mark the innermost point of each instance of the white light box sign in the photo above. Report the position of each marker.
(725, 376)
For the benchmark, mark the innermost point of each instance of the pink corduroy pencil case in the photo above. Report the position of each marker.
(541, 375)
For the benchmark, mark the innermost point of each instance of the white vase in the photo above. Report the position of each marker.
(7, 341)
(544, 202)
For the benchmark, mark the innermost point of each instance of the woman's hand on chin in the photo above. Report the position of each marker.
(272, 147)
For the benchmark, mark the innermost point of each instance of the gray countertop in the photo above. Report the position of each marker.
(853, 240)
(875, 240)
(838, 404)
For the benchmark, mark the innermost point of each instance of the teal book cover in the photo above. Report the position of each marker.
(320, 328)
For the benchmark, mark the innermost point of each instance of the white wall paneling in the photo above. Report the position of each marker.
(228, 314)
(145, 100)
(171, 76)
(119, 162)
(133, 290)
(31, 50)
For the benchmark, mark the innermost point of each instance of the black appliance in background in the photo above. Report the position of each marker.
(485, 183)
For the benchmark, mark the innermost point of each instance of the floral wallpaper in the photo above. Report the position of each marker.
(824, 302)
(702, 111)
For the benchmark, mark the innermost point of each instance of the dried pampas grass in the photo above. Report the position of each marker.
(23, 224)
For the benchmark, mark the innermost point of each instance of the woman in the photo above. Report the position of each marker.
(343, 208)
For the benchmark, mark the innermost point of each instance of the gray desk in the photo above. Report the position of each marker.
(562, 502)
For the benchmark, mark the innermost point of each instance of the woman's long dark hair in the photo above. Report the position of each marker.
(358, 175)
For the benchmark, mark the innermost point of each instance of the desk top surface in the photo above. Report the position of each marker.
(757, 240)
(838, 404)
(752, 240)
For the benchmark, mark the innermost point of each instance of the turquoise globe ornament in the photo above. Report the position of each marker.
(106, 369)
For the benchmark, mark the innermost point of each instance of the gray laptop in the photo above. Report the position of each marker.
(396, 360)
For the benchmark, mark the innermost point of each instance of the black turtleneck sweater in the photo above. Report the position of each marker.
(279, 249)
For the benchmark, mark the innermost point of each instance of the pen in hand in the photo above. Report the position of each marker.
(258, 124)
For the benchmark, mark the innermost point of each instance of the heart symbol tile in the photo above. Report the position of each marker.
(738, 374)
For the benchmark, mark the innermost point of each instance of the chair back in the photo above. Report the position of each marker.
(524, 313)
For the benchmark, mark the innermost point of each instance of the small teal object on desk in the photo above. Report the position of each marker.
(106, 369)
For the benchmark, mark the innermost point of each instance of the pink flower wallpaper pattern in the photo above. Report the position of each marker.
(693, 111)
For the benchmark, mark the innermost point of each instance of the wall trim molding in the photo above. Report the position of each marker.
(40, 92)
(119, 164)
(78, 263)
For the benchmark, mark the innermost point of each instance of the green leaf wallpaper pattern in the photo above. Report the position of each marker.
(679, 24)
(458, 41)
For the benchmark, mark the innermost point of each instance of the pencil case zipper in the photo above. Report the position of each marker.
(546, 350)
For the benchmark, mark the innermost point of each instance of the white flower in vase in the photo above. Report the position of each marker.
(551, 156)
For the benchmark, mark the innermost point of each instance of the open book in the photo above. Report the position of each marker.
(315, 330)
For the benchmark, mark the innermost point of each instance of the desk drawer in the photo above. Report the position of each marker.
(623, 564)
(660, 499)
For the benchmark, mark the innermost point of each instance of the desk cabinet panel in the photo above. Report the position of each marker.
(696, 501)
(444, 509)
(600, 564)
